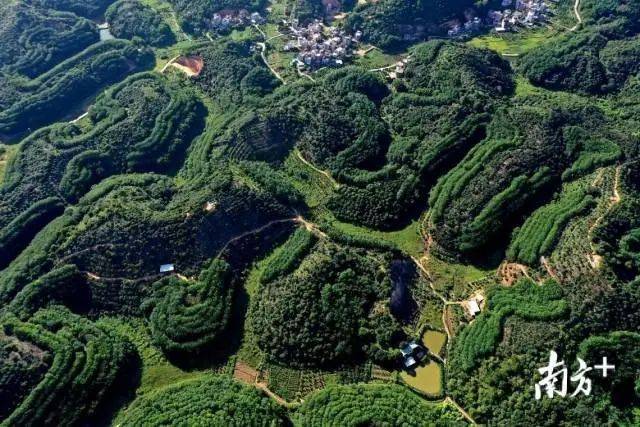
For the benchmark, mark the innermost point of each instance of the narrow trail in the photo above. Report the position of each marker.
(278, 399)
(147, 278)
(263, 48)
(461, 409)
(593, 258)
(576, 11)
(168, 64)
(303, 74)
(550, 271)
(311, 227)
(428, 243)
(254, 231)
(428, 278)
(320, 171)
(80, 252)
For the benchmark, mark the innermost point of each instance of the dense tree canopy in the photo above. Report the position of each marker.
(320, 313)
(188, 317)
(210, 400)
(128, 19)
(373, 404)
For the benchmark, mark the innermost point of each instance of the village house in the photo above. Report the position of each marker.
(516, 14)
(412, 354)
(228, 19)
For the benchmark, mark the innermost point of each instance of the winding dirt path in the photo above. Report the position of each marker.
(335, 183)
(263, 50)
(593, 258)
(461, 409)
(576, 11)
(254, 231)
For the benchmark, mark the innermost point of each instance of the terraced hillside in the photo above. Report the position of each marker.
(195, 228)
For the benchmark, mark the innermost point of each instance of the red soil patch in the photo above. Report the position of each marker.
(245, 373)
(194, 64)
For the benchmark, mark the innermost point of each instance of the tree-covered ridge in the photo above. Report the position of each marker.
(526, 300)
(320, 310)
(210, 400)
(527, 153)
(539, 234)
(190, 316)
(48, 97)
(617, 237)
(34, 39)
(597, 58)
(129, 218)
(352, 125)
(374, 404)
(85, 361)
(279, 213)
(194, 14)
(392, 24)
(58, 165)
(129, 18)
(87, 8)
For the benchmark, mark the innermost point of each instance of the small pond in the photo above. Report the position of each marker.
(426, 378)
(434, 341)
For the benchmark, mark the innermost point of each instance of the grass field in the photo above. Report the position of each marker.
(513, 43)
(6, 154)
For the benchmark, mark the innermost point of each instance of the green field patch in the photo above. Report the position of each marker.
(455, 279)
(407, 240)
(513, 43)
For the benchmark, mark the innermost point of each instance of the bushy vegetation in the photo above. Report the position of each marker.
(617, 238)
(596, 59)
(351, 125)
(374, 404)
(142, 124)
(86, 8)
(195, 14)
(540, 233)
(622, 349)
(321, 314)
(187, 317)
(526, 155)
(392, 24)
(317, 174)
(525, 300)
(129, 18)
(49, 97)
(35, 39)
(210, 400)
(84, 362)
(289, 257)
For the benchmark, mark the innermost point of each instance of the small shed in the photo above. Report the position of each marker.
(474, 308)
(167, 268)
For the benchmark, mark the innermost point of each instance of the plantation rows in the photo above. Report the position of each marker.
(188, 317)
(525, 300)
(48, 97)
(35, 39)
(141, 124)
(88, 360)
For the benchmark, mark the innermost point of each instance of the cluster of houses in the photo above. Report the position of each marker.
(228, 19)
(527, 13)
(516, 14)
(320, 46)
